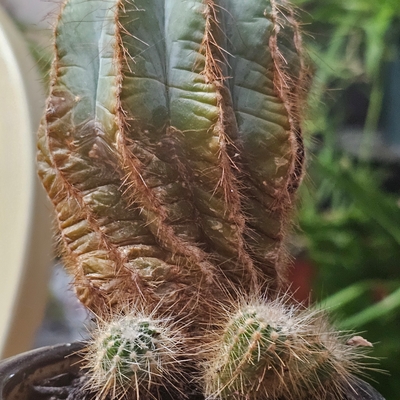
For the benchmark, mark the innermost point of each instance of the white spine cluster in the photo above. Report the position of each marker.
(277, 350)
(134, 354)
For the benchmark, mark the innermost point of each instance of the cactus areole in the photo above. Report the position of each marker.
(171, 145)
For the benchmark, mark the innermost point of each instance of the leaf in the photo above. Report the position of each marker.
(367, 197)
(385, 307)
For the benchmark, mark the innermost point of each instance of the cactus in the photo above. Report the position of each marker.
(171, 148)
(279, 350)
(165, 171)
(134, 352)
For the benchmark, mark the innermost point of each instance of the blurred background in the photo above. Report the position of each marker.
(348, 233)
(346, 244)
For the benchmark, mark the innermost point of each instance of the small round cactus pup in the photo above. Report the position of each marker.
(135, 354)
(277, 350)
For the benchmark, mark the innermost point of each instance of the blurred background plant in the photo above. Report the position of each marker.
(349, 216)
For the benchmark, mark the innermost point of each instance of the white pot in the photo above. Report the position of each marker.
(25, 238)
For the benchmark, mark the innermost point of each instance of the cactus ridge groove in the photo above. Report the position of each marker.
(137, 187)
(66, 196)
(292, 89)
(228, 180)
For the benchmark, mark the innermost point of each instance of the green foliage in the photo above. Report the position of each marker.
(352, 238)
(349, 222)
(352, 40)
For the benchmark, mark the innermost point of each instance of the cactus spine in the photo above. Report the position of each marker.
(171, 149)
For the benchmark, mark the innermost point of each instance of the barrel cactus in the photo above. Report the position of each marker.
(135, 349)
(280, 350)
(171, 148)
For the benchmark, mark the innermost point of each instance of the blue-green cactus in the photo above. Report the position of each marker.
(171, 143)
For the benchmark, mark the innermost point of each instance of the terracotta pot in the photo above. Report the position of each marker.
(18, 374)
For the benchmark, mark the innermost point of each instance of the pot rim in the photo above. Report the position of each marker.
(18, 372)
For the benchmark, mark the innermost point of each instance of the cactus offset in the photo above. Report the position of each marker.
(135, 354)
(279, 350)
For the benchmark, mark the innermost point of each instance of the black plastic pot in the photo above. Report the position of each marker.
(19, 374)
(50, 373)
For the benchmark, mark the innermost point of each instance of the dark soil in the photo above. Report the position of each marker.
(70, 386)
(66, 386)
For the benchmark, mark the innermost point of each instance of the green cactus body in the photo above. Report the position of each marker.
(274, 350)
(133, 354)
(171, 145)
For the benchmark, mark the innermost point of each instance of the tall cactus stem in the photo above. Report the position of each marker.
(172, 147)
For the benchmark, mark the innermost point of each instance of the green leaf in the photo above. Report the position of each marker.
(367, 197)
(385, 307)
